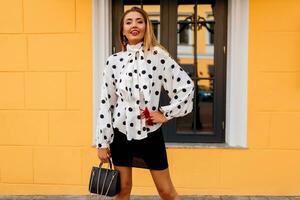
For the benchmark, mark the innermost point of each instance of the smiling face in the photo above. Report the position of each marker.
(134, 27)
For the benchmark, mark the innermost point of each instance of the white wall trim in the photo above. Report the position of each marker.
(237, 73)
(101, 28)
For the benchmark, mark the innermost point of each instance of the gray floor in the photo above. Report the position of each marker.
(94, 197)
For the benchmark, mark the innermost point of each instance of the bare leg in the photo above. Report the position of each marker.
(164, 184)
(126, 182)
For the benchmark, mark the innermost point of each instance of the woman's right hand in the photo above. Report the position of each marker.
(104, 154)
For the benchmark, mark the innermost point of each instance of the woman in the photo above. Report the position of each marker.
(133, 78)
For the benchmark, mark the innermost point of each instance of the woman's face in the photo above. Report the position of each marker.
(134, 27)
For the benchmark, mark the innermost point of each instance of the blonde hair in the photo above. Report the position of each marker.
(150, 40)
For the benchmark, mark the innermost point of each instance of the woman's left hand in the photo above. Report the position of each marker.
(158, 117)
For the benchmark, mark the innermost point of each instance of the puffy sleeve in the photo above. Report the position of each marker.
(104, 129)
(179, 87)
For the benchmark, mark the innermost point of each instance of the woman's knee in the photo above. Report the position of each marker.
(126, 188)
(167, 192)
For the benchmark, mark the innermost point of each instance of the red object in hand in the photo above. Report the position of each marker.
(147, 116)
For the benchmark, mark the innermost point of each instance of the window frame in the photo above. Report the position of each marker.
(237, 69)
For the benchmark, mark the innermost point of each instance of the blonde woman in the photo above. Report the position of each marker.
(130, 119)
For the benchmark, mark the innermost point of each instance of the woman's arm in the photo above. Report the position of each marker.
(179, 87)
(104, 130)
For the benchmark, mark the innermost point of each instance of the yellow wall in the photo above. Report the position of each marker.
(46, 106)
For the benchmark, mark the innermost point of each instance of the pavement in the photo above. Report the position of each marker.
(96, 197)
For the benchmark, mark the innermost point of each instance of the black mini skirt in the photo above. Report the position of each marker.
(149, 153)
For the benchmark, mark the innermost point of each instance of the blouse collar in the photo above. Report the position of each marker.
(134, 47)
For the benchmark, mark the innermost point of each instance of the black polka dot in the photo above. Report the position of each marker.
(137, 102)
(139, 133)
(160, 77)
(157, 92)
(131, 61)
(150, 76)
(188, 82)
(155, 52)
(144, 72)
(145, 87)
(131, 124)
(130, 109)
(121, 59)
(130, 74)
(139, 117)
(101, 116)
(142, 58)
(108, 125)
(144, 128)
(114, 66)
(154, 68)
(178, 79)
(149, 61)
(124, 123)
(99, 145)
(174, 91)
(162, 61)
(184, 90)
(107, 62)
(105, 138)
(103, 101)
(176, 97)
(119, 114)
(172, 66)
(179, 106)
(137, 86)
(135, 71)
(153, 108)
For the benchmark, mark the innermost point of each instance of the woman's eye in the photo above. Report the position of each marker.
(128, 23)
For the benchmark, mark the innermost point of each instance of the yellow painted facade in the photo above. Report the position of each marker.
(46, 106)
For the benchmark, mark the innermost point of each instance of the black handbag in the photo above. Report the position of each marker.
(104, 181)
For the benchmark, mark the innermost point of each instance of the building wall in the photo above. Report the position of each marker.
(46, 106)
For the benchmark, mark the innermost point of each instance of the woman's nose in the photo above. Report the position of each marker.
(133, 24)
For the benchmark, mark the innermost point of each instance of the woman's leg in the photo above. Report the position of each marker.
(126, 182)
(164, 184)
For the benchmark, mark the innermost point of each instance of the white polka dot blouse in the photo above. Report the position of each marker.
(132, 81)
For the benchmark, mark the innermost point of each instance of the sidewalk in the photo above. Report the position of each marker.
(93, 197)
